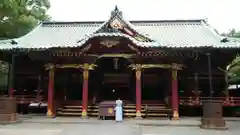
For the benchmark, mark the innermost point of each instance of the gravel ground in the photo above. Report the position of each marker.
(75, 126)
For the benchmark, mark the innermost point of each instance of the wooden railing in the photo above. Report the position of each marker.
(197, 101)
(27, 99)
(184, 101)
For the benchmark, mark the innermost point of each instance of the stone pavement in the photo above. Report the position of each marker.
(75, 126)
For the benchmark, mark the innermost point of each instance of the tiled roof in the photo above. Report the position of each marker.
(7, 44)
(165, 33)
(232, 39)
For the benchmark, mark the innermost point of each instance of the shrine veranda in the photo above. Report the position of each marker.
(178, 63)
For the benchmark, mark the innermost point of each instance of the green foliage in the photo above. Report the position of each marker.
(233, 70)
(17, 17)
(232, 33)
(237, 35)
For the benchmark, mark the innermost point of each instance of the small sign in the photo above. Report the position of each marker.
(110, 110)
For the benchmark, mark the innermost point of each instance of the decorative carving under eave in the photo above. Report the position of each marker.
(176, 66)
(112, 55)
(166, 66)
(49, 66)
(136, 66)
(68, 65)
(138, 70)
(87, 66)
(109, 43)
(83, 66)
(156, 66)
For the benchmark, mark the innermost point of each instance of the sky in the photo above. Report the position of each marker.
(221, 14)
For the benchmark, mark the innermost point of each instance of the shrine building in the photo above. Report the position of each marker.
(164, 64)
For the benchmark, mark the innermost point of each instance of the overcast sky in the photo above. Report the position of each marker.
(222, 14)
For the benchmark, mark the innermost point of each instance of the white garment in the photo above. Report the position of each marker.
(118, 111)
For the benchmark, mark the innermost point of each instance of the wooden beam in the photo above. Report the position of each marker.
(49, 66)
(112, 55)
(165, 66)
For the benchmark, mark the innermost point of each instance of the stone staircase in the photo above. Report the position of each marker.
(129, 111)
(148, 111)
(77, 111)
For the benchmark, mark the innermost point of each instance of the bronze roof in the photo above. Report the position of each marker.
(163, 33)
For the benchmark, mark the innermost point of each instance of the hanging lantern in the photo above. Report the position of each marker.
(115, 63)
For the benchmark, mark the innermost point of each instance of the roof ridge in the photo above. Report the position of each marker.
(72, 22)
(211, 30)
(131, 21)
(117, 15)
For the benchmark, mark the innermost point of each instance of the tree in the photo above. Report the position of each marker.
(18, 17)
(233, 70)
(232, 33)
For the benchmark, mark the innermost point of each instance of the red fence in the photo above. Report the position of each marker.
(197, 101)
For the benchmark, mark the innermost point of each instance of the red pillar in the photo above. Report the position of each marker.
(51, 110)
(85, 90)
(175, 99)
(138, 93)
(11, 92)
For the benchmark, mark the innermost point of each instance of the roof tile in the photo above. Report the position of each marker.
(171, 34)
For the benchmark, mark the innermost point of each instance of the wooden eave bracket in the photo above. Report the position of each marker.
(165, 66)
(83, 66)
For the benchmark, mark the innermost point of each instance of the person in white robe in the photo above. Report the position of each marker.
(119, 110)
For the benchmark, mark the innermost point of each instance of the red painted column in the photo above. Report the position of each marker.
(51, 110)
(11, 92)
(138, 93)
(85, 90)
(175, 98)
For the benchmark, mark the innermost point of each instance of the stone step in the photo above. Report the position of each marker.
(76, 110)
(79, 107)
(125, 114)
(75, 114)
(129, 110)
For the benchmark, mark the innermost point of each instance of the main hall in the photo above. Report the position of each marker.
(156, 67)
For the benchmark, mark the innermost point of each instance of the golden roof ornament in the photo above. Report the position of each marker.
(109, 43)
(115, 12)
(116, 24)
